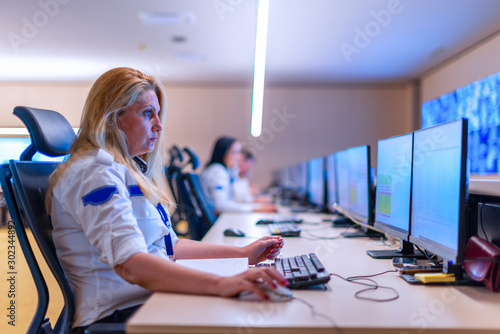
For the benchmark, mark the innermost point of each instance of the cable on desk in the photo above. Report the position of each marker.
(430, 257)
(371, 287)
(319, 314)
(317, 237)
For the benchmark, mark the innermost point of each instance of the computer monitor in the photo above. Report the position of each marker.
(12, 147)
(355, 190)
(299, 180)
(438, 221)
(331, 188)
(342, 178)
(316, 182)
(359, 183)
(393, 194)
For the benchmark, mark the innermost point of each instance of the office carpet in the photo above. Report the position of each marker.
(18, 296)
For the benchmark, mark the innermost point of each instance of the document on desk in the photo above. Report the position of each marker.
(221, 267)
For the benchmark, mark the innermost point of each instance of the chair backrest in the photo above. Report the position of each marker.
(30, 181)
(38, 318)
(207, 211)
(26, 183)
(189, 210)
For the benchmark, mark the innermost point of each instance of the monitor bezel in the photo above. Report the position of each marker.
(330, 178)
(386, 228)
(360, 218)
(455, 257)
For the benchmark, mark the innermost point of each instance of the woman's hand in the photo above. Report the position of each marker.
(248, 281)
(266, 248)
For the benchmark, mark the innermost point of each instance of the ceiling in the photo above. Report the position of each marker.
(213, 41)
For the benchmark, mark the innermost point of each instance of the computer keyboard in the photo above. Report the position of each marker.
(279, 219)
(284, 229)
(303, 270)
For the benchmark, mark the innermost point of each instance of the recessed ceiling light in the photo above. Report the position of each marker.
(178, 39)
(166, 18)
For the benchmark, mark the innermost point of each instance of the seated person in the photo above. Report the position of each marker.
(112, 232)
(218, 176)
(243, 190)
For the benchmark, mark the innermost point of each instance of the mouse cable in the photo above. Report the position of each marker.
(317, 237)
(310, 223)
(319, 314)
(370, 287)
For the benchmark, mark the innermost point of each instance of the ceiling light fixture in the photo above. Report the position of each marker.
(259, 68)
(165, 18)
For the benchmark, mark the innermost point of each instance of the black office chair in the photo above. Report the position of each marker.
(207, 211)
(26, 183)
(194, 203)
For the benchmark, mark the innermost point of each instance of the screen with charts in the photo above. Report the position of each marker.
(439, 186)
(316, 182)
(359, 182)
(331, 189)
(393, 191)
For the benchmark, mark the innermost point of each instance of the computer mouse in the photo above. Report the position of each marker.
(278, 294)
(264, 222)
(233, 232)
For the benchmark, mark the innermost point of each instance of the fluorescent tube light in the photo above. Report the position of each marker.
(259, 68)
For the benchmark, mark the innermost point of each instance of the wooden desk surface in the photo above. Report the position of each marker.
(419, 309)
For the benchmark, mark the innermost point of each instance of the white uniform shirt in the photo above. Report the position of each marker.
(242, 191)
(217, 185)
(100, 220)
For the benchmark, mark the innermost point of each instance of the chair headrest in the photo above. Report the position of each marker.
(193, 157)
(51, 134)
(175, 154)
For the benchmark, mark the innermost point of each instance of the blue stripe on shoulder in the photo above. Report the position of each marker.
(99, 195)
(135, 191)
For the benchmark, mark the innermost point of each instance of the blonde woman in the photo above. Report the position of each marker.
(111, 230)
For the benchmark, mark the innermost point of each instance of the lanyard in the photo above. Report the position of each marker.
(168, 239)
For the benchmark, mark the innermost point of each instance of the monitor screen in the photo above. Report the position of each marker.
(12, 147)
(393, 191)
(439, 190)
(342, 163)
(316, 182)
(359, 183)
(299, 179)
(331, 189)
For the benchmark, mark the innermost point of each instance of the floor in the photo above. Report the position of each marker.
(25, 299)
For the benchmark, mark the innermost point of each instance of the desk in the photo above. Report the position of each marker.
(419, 309)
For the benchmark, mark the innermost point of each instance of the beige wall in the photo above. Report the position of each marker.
(299, 122)
(476, 63)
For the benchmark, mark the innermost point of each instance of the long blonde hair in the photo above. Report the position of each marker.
(111, 94)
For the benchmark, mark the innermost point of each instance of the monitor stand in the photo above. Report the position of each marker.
(406, 249)
(461, 278)
(364, 232)
(342, 222)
